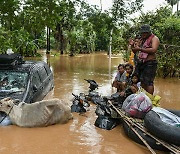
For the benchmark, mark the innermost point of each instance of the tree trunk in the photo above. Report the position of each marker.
(60, 38)
(177, 8)
(48, 40)
(61, 41)
(101, 4)
(36, 40)
(110, 43)
(172, 4)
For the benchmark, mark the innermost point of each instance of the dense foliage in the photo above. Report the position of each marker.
(73, 26)
(70, 26)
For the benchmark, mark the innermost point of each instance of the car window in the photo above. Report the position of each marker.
(36, 80)
(13, 81)
(43, 74)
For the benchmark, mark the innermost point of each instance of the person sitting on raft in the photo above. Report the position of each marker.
(132, 88)
(129, 71)
(120, 79)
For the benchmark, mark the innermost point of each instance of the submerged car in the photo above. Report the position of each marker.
(27, 81)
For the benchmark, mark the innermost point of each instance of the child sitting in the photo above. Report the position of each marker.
(131, 88)
(135, 83)
(129, 72)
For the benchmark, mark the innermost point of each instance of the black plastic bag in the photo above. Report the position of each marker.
(106, 122)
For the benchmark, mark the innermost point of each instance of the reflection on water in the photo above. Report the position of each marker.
(80, 135)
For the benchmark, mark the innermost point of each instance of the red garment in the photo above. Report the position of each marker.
(147, 44)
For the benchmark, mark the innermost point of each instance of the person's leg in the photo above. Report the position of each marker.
(114, 84)
(148, 75)
(123, 86)
(150, 89)
(117, 85)
(120, 86)
(143, 85)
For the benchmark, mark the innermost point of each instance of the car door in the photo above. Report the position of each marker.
(36, 87)
(46, 78)
(49, 81)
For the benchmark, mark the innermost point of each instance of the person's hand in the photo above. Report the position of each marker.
(131, 42)
(135, 49)
(136, 44)
(122, 93)
(134, 89)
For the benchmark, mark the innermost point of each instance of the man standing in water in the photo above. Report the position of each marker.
(147, 63)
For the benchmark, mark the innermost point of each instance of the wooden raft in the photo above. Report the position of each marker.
(138, 123)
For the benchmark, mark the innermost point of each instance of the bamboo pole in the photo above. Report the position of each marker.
(140, 137)
(172, 148)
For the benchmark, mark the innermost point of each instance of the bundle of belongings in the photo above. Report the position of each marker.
(137, 105)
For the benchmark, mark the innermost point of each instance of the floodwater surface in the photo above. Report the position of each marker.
(79, 135)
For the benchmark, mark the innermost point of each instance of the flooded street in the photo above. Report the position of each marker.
(80, 136)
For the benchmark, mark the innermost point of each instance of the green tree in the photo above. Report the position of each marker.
(121, 11)
(9, 10)
(173, 2)
(102, 24)
(82, 38)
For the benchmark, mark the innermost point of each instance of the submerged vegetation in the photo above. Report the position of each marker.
(72, 27)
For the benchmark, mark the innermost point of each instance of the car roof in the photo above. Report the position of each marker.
(26, 66)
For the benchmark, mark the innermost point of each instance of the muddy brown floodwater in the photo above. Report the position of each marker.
(80, 136)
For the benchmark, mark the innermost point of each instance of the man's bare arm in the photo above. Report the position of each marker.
(155, 44)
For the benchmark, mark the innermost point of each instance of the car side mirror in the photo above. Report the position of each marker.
(35, 88)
